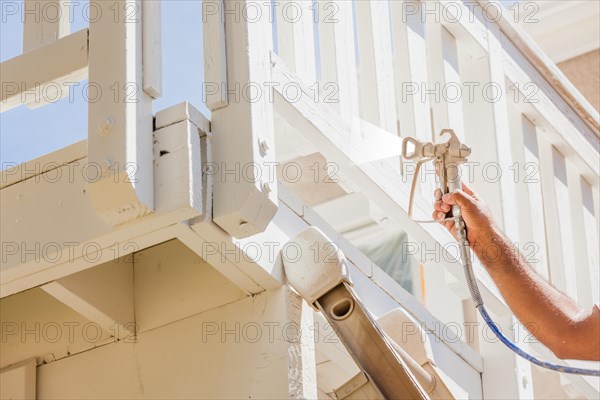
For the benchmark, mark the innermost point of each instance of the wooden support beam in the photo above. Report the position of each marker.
(44, 22)
(120, 121)
(178, 169)
(215, 54)
(61, 178)
(103, 295)
(65, 62)
(245, 193)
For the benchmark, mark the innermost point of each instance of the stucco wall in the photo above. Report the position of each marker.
(584, 72)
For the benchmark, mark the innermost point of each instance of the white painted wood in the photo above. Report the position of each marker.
(172, 283)
(250, 339)
(13, 173)
(338, 59)
(65, 62)
(566, 224)
(181, 112)
(530, 190)
(410, 67)
(463, 19)
(376, 72)
(152, 47)
(302, 374)
(388, 190)
(553, 227)
(563, 127)
(17, 382)
(580, 268)
(36, 325)
(381, 281)
(215, 54)
(466, 19)
(501, 132)
(444, 79)
(120, 122)
(295, 32)
(178, 168)
(214, 253)
(359, 269)
(498, 361)
(591, 222)
(487, 167)
(548, 71)
(104, 295)
(31, 255)
(44, 21)
(245, 203)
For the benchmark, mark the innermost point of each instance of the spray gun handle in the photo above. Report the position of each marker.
(453, 183)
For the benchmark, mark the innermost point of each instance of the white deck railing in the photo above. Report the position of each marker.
(350, 78)
(414, 69)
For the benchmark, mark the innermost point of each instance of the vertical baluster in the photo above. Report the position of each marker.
(44, 22)
(295, 32)
(410, 70)
(485, 130)
(551, 211)
(444, 78)
(529, 174)
(487, 111)
(579, 268)
(376, 72)
(152, 48)
(591, 221)
(566, 230)
(215, 54)
(338, 59)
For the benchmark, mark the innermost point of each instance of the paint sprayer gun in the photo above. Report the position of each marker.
(447, 157)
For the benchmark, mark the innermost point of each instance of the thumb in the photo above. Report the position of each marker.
(457, 197)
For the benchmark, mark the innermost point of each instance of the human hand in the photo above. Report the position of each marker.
(476, 214)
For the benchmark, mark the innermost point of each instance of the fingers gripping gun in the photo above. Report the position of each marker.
(447, 157)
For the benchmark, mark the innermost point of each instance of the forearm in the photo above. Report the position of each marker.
(555, 319)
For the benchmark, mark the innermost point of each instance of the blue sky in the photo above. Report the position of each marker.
(26, 134)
